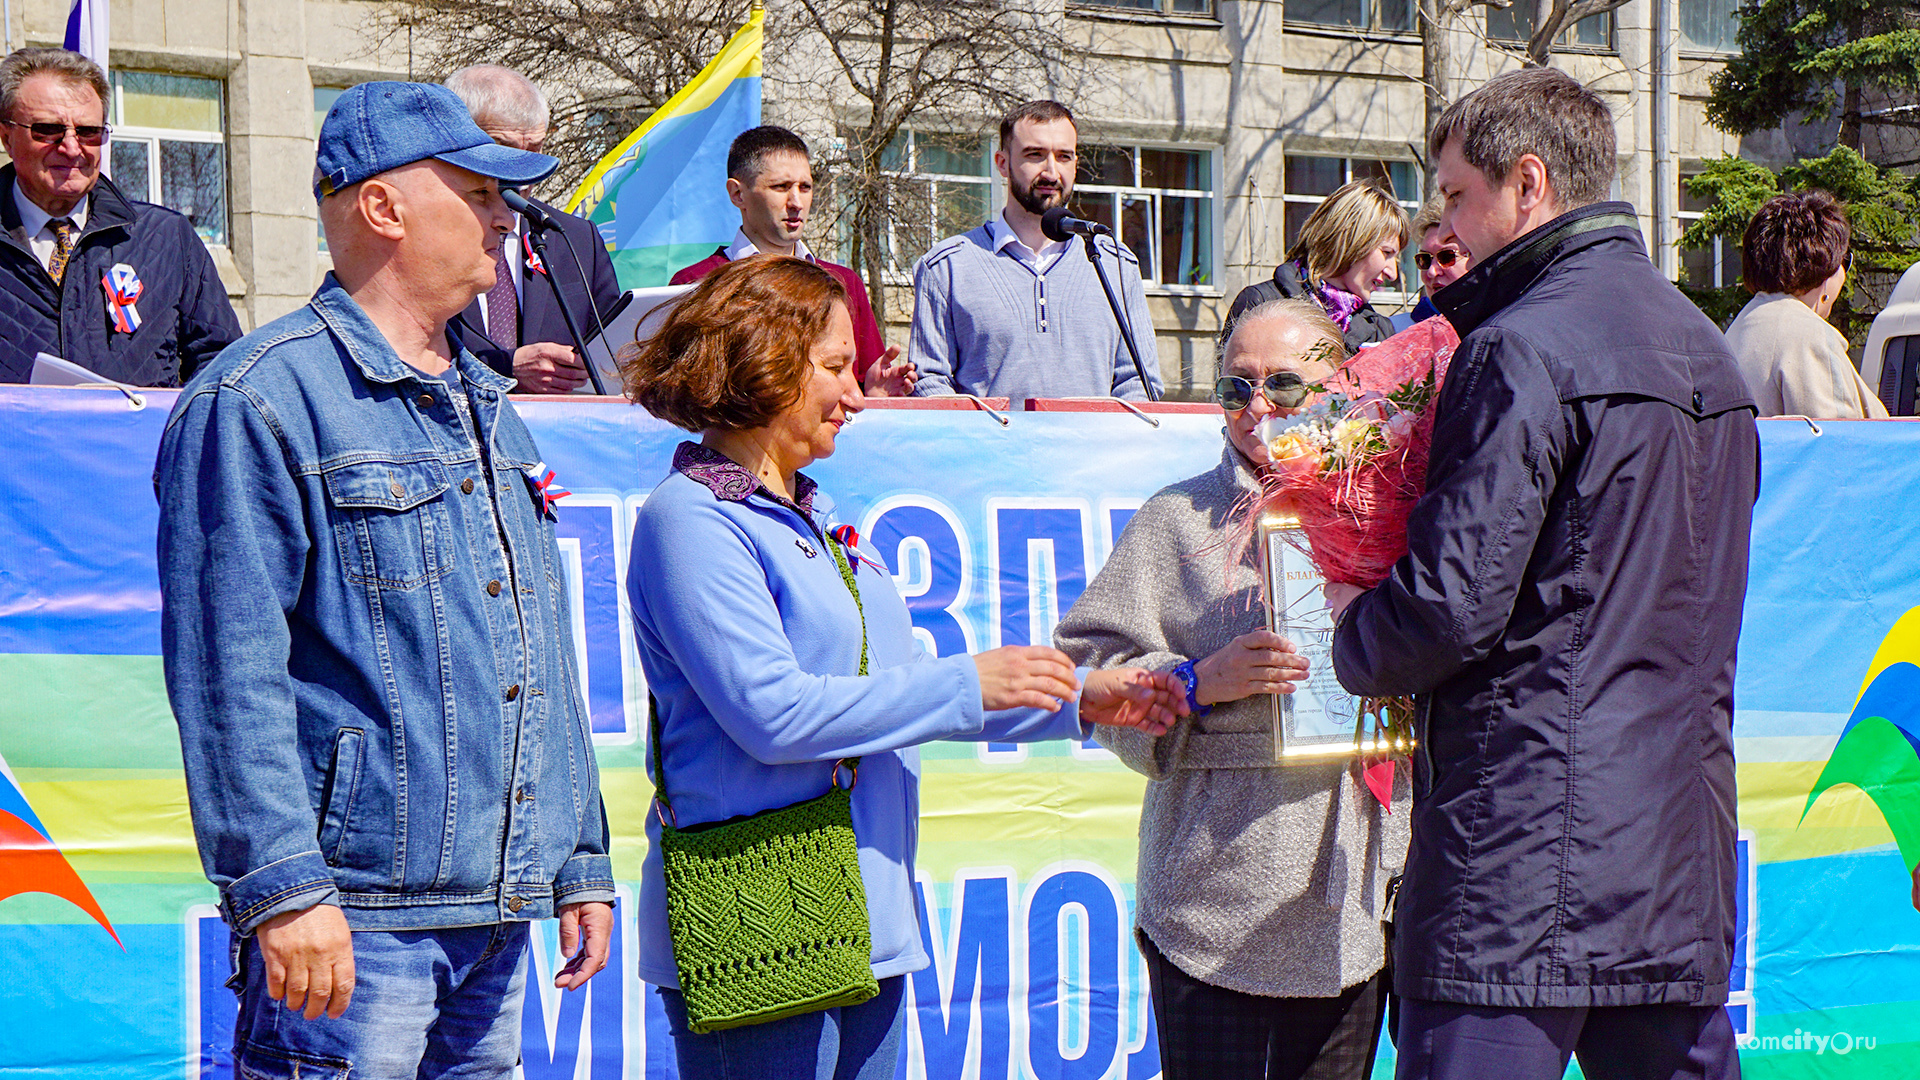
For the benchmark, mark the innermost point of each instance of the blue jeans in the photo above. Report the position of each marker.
(857, 1042)
(426, 1003)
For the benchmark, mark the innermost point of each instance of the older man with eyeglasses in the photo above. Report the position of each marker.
(123, 288)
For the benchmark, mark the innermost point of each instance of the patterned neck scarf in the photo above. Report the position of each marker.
(731, 481)
(1339, 303)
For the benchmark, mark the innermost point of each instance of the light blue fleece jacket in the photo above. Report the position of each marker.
(750, 645)
(988, 322)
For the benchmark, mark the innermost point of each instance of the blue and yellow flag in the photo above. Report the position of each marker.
(659, 198)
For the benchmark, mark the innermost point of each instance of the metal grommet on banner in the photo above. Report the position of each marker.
(986, 408)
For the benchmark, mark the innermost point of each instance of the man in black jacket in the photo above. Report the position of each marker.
(1568, 611)
(517, 329)
(123, 288)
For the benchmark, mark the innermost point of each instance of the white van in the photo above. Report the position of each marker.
(1891, 363)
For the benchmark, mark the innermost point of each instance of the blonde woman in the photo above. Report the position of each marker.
(1349, 247)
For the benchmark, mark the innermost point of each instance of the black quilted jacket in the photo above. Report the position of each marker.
(185, 318)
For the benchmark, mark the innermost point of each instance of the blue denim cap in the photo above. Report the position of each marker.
(378, 126)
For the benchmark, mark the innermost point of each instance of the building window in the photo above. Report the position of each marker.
(1153, 7)
(1381, 15)
(1309, 180)
(1160, 202)
(1710, 25)
(1716, 266)
(1515, 24)
(169, 146)
(937, 185)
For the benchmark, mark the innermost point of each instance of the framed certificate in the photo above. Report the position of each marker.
(1319, 720)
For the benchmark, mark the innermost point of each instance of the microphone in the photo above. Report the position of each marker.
(1059, 224)
(538, 218)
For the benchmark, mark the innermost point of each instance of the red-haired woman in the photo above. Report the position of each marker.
(771, 663)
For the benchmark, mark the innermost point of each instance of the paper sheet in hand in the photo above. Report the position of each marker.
(636, 316)
(50, 370)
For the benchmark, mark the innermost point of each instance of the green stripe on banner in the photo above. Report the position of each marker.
(651, 267)
(66, 711)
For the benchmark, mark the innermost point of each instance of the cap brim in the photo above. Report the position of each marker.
(503, 163)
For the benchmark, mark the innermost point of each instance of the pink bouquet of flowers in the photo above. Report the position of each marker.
(1350, 467)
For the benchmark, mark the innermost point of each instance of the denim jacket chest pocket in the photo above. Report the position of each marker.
(392, 522)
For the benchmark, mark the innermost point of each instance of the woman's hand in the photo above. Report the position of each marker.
(1025, 677)
(1152, 701)
(1262, 662)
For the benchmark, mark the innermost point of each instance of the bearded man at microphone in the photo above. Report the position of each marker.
(1001, 311)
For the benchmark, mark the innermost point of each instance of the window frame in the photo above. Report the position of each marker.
(1566, 42)
(1688, 47)
(895, 273)
(1162, 11)
(152, 137)
(1215, 222)
(1372, 29)
(1400, 296)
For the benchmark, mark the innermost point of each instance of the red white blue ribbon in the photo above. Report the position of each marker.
(123, 288)
(533, 257)
(849, 538)
(541, 478)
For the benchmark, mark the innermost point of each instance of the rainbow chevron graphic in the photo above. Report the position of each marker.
(1879, 749)
(31, 862)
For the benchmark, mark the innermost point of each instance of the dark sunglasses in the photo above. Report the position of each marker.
(1285, 389)
(51, 133)
(1445, 257)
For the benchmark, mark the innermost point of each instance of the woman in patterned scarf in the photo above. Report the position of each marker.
(1346, 249)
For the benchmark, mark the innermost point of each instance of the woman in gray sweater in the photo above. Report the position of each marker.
(1261, 889)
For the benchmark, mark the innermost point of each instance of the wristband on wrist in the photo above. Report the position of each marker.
(1184, 671)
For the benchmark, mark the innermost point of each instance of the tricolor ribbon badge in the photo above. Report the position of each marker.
(533, 257)
(550, 493)
(849, 538)
(123, 288)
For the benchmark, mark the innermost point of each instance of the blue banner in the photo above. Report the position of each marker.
(1027, 852)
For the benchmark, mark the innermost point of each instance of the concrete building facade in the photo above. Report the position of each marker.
(1213, 129)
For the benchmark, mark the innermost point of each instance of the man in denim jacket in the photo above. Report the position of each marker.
(388, 759)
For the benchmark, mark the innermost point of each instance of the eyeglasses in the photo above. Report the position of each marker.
(1846, 261)
(1445, 257)
(52, 134)
(1285, 389)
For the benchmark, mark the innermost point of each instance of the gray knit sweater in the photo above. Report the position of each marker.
(1258, 878)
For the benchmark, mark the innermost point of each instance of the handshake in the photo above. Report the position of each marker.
(1039, 677)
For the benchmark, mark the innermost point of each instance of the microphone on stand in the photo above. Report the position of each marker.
(538, 223)
(1059, 224)
(538, 218)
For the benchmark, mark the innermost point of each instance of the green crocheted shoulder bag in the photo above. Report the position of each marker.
(767, 913)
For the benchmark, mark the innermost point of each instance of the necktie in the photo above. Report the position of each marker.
(503, 307)
(63, 232)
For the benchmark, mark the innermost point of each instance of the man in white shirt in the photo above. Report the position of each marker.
(125, 289)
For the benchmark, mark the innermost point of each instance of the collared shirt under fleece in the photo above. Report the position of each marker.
(989, 322)
(751, 643)
(365, 632)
